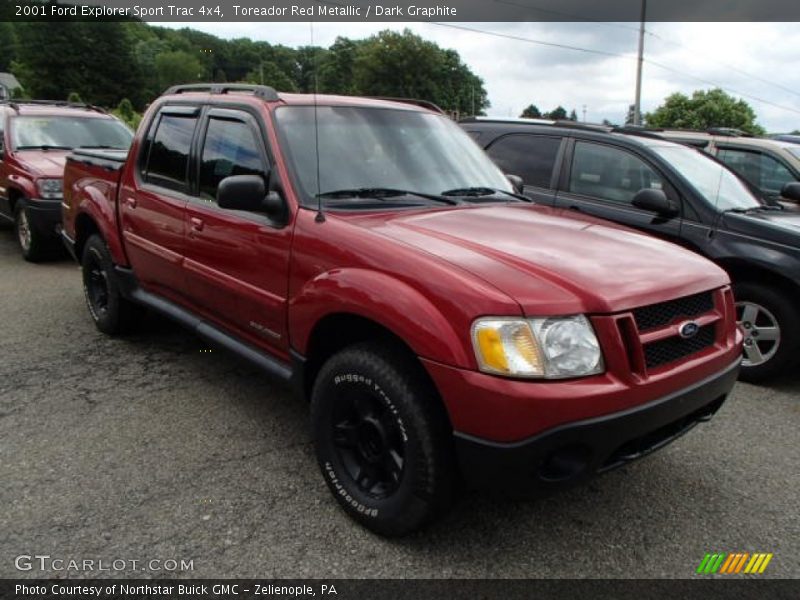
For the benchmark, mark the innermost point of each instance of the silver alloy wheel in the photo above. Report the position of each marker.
(762, 334)
(23, 231)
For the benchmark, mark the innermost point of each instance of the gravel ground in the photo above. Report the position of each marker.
(152, 447)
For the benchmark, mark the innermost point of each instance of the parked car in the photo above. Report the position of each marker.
(35, 137)
(676, 193)
(771, 166)
(787, 137)
(435, 338)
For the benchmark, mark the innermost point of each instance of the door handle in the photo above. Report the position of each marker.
(197, 224)
(130, 201)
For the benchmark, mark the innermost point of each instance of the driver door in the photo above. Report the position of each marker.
(601, 180)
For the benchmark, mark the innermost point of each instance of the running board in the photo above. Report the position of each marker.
(131, 290)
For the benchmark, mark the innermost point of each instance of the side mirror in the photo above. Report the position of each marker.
(248, 192)
(655, 201)
(516, 182)
(791, 191)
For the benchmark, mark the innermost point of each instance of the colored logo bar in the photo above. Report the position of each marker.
(734, 562)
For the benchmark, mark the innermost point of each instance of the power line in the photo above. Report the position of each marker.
(531, 41)
(615, 55)
(723, 64)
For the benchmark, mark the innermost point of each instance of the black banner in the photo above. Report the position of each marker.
(401, 10)
(413, 589)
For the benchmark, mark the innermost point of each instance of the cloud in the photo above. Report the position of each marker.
(518, 72)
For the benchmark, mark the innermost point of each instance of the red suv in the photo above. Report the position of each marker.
(371, 255)
(35, 138)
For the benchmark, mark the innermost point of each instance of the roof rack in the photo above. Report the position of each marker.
(421, 103)
(520, 120)
(16, 103)
(640, 130)
(259, 91)
(728, 131)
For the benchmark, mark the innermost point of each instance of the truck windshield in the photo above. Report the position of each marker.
(30, 133)
(379, 148)
(719, 186)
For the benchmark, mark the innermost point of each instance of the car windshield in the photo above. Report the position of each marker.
(68, 132)
(719, 186)
(378, 148)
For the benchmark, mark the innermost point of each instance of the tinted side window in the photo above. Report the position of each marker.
(764, 172)
(230, 148)
(168, 159)
(532, 157)
(610, 173)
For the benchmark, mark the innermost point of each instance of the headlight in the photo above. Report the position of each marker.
(551, 348)
(50, 189)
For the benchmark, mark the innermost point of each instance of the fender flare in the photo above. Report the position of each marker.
(391, 303)
(92, 203)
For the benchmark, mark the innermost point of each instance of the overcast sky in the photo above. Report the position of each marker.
(754, 61)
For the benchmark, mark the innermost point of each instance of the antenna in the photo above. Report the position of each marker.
(320, 218)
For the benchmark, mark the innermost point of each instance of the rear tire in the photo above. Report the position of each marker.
(771, 326)
(382, 439)
(111, 312)
(32, 244)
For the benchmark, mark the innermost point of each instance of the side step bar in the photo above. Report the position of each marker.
(131, 290)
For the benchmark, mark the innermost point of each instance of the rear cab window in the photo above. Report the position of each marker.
(164, 159)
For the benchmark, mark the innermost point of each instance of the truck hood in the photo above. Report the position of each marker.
(553, 261)
(43, 163)
(776, 226)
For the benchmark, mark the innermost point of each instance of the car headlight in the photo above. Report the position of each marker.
(50, 189)
(550, 348)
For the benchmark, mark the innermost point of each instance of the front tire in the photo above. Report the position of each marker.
(31, 243)
(111, 312)
(382, 440)
(771, 327)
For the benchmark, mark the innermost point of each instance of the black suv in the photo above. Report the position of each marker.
(674, 192)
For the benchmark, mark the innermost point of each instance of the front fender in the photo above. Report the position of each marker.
(22, 185)
(383, 299)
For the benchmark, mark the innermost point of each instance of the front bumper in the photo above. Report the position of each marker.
(573, 452)
(44, 216)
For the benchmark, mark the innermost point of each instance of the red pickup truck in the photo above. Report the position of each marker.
(444, 329)
(35, 137)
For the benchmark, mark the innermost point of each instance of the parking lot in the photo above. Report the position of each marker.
(155, 446)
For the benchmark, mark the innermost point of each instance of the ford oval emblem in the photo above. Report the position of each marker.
(688, 329)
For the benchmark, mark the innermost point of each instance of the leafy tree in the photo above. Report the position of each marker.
(177, 67)
(268, 73)
(573, 116)
(336, 68)
(126, 112)
(712, 108)
(559, 113)
(8, 45)
(531, 112)
(405, 65)
(74, 97)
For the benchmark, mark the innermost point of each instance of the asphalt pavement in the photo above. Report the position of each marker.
(156, 447)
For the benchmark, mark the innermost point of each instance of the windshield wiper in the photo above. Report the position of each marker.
(102, 147)
(44, 147)
(479, 191)
(380, 193)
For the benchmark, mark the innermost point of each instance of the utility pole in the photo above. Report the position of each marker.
(637, 105)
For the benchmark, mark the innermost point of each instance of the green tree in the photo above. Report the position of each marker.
(177, 67)
(531, 112)
(405, 65)
(557, 114)
(705, 109)
(268, 73)
(573, 116)
(8, 45)
(74, 97)
(126, 112)
(336, 67)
